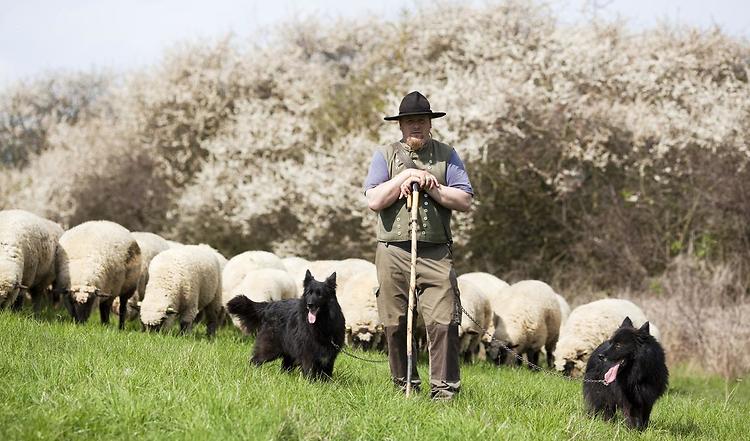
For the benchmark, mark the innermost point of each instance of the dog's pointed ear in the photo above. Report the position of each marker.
(331, 281)
(645, 329)
(308, 278)
(627, 323)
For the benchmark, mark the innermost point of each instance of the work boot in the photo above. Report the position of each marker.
(400, 383)
(443, 391)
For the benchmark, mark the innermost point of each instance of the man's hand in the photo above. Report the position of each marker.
(425, 180)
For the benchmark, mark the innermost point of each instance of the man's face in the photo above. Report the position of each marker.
(415, 127)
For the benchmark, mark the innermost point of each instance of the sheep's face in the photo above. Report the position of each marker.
(9, 278)
(79, 301)
(572, 365)
(500, 351)
(156, 318)
(83, 293)
(367, 338)
(8, 290)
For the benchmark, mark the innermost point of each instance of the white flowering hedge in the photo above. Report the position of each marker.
(590, 147)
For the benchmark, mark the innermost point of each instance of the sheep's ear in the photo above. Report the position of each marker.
(331, 281)
(171, 310)
(308, 278)
(627, 323)
(644, 329)
(98, 293)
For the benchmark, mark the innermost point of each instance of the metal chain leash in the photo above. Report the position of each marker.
(341, 349)
(519, 357)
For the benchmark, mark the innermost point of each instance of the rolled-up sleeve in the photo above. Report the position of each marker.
(456, 176)
(378, 172)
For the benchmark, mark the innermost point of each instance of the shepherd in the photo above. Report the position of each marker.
(441, 177)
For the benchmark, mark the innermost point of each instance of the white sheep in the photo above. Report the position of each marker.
(27, 256)
(183, 282)
(472, 334)
(588, 326)
(97, 259)
(151, 245)
(262, 285)
(528, 321)
(241, 264)
(359, 305)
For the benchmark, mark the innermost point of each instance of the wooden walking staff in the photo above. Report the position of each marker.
(412, 203)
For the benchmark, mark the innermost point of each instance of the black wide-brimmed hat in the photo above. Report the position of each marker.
(414, 104)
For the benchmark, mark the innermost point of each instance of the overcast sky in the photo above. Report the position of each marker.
(42, 35)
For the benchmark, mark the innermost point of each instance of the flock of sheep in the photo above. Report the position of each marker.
(139, 275)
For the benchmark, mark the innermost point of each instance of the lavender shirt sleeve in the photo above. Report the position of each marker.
(456, 176)
(378, 171)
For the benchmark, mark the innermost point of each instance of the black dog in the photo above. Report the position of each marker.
(632, 366)
(306, 332)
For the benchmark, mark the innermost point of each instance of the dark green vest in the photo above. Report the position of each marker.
(434, 221)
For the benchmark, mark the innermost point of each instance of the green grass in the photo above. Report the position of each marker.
(59, 380)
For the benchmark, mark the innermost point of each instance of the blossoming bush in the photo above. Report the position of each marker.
(596, 153)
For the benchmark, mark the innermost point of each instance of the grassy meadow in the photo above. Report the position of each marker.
(59, 380)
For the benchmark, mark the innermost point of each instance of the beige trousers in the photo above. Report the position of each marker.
(438, 303)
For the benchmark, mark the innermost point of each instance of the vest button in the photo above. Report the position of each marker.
(425, 202)
(425, 218)
(429, 167)
(398, 219)
(399, 233)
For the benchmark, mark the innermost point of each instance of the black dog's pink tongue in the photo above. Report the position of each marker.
(611, 374)
(310, 316)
